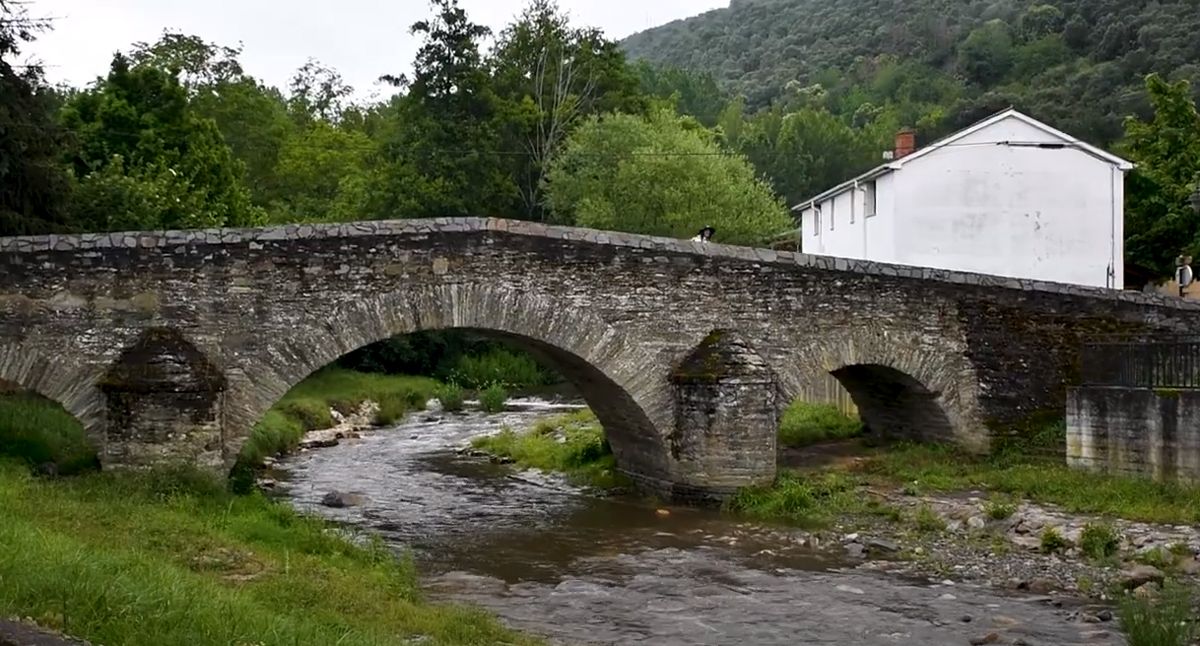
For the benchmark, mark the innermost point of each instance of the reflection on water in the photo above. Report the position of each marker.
(588, 570)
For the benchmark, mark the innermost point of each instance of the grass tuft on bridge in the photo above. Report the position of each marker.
(171, 558)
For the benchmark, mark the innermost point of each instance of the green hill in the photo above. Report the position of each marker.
(939, 64)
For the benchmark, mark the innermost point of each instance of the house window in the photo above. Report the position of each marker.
(816, 220)
(869, 200)
(832, 211)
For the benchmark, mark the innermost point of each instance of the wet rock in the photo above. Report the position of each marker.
(1139, 575)
(1104, 615)
(1039, 585)
(966, 619)
(320, 443)
(856, 551)
(1189, 566)
(1089, 618)
(267, 483)
(431, 419)
(990, 638)
(338, 499)
(882, 545)
(850, 589)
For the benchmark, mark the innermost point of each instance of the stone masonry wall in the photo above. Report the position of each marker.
(616, 313)
(1139, 432)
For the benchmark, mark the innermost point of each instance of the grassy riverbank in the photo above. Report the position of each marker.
(40, 433)
(174, 559)
(804, 424)
(572, 444)
(306, 407)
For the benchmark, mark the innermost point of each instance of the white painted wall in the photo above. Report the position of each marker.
(844, 229)
(1027, 212)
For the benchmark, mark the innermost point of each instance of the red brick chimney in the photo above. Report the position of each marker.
(906, 143)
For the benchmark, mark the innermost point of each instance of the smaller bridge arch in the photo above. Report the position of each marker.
(904, 386)
(61, 380)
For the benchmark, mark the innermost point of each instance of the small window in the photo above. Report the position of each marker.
(816, 220)
(832, 211)
(869, 200)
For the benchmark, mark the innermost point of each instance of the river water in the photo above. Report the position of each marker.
(550, 559)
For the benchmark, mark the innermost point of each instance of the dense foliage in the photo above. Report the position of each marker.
(1077, 64)
(727, 118)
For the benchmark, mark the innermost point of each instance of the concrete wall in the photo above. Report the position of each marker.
(1135, 432)
(1049, 214)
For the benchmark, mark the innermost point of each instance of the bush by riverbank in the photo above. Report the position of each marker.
(573, 444)
(306, 407)
(173, 559)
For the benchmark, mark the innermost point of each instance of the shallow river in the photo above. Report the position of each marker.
(579, 569)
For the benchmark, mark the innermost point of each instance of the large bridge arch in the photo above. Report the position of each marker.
(622, 384)
(905, 384)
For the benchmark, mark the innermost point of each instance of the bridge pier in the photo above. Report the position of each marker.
(726, 416)
(164, 406)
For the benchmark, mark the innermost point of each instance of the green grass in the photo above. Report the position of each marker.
(804, 500)
(451, 397)
(804, 424)
(1169, 620)
(498, 366)
(1053, 541)
(1000, 508)
(583, 455)
(164, 559)
(1044, 480)
(1099, 541)
(306, 407)
(493, 399)
(39, 431)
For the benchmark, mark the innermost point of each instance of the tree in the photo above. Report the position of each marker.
(196, 62)
(253, 118)
(33, 183)
(323, 176)
(442, 137)
(1160, 221)
(318, 92)
(549, 76)
(986, 55)
(146, 160)
(661, 175)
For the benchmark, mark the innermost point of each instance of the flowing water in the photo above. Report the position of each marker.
(579, 569)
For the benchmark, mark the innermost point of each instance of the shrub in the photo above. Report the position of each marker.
(500, 366)
(392, 409)
(804, 424)
(451, 397)
(1053, 541)
(1158, 557)
(1168, 620)
(493, 399)
(928, 520)
(312, 414)
(1099, 541)
(799, 499)
(1000, 509)
(415, 399)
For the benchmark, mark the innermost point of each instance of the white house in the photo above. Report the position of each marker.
(1009, 196)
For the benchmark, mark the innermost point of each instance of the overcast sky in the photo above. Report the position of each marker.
(362, 39)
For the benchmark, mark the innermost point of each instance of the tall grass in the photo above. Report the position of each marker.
(1169, 620)
(306, 407)
(498, 366)
(451, 398)
(39, 431)
(573, 444)
(943, 468)
(804, 500)
(493, 399)
(804, 424)
(123, 559)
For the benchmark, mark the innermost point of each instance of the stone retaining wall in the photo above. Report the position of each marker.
(1127, 431)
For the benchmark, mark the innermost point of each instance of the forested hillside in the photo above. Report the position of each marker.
(938, 64)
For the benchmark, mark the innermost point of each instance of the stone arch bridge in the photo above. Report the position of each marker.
(169, 346)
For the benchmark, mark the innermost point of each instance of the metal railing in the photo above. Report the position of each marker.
(1147, 362)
